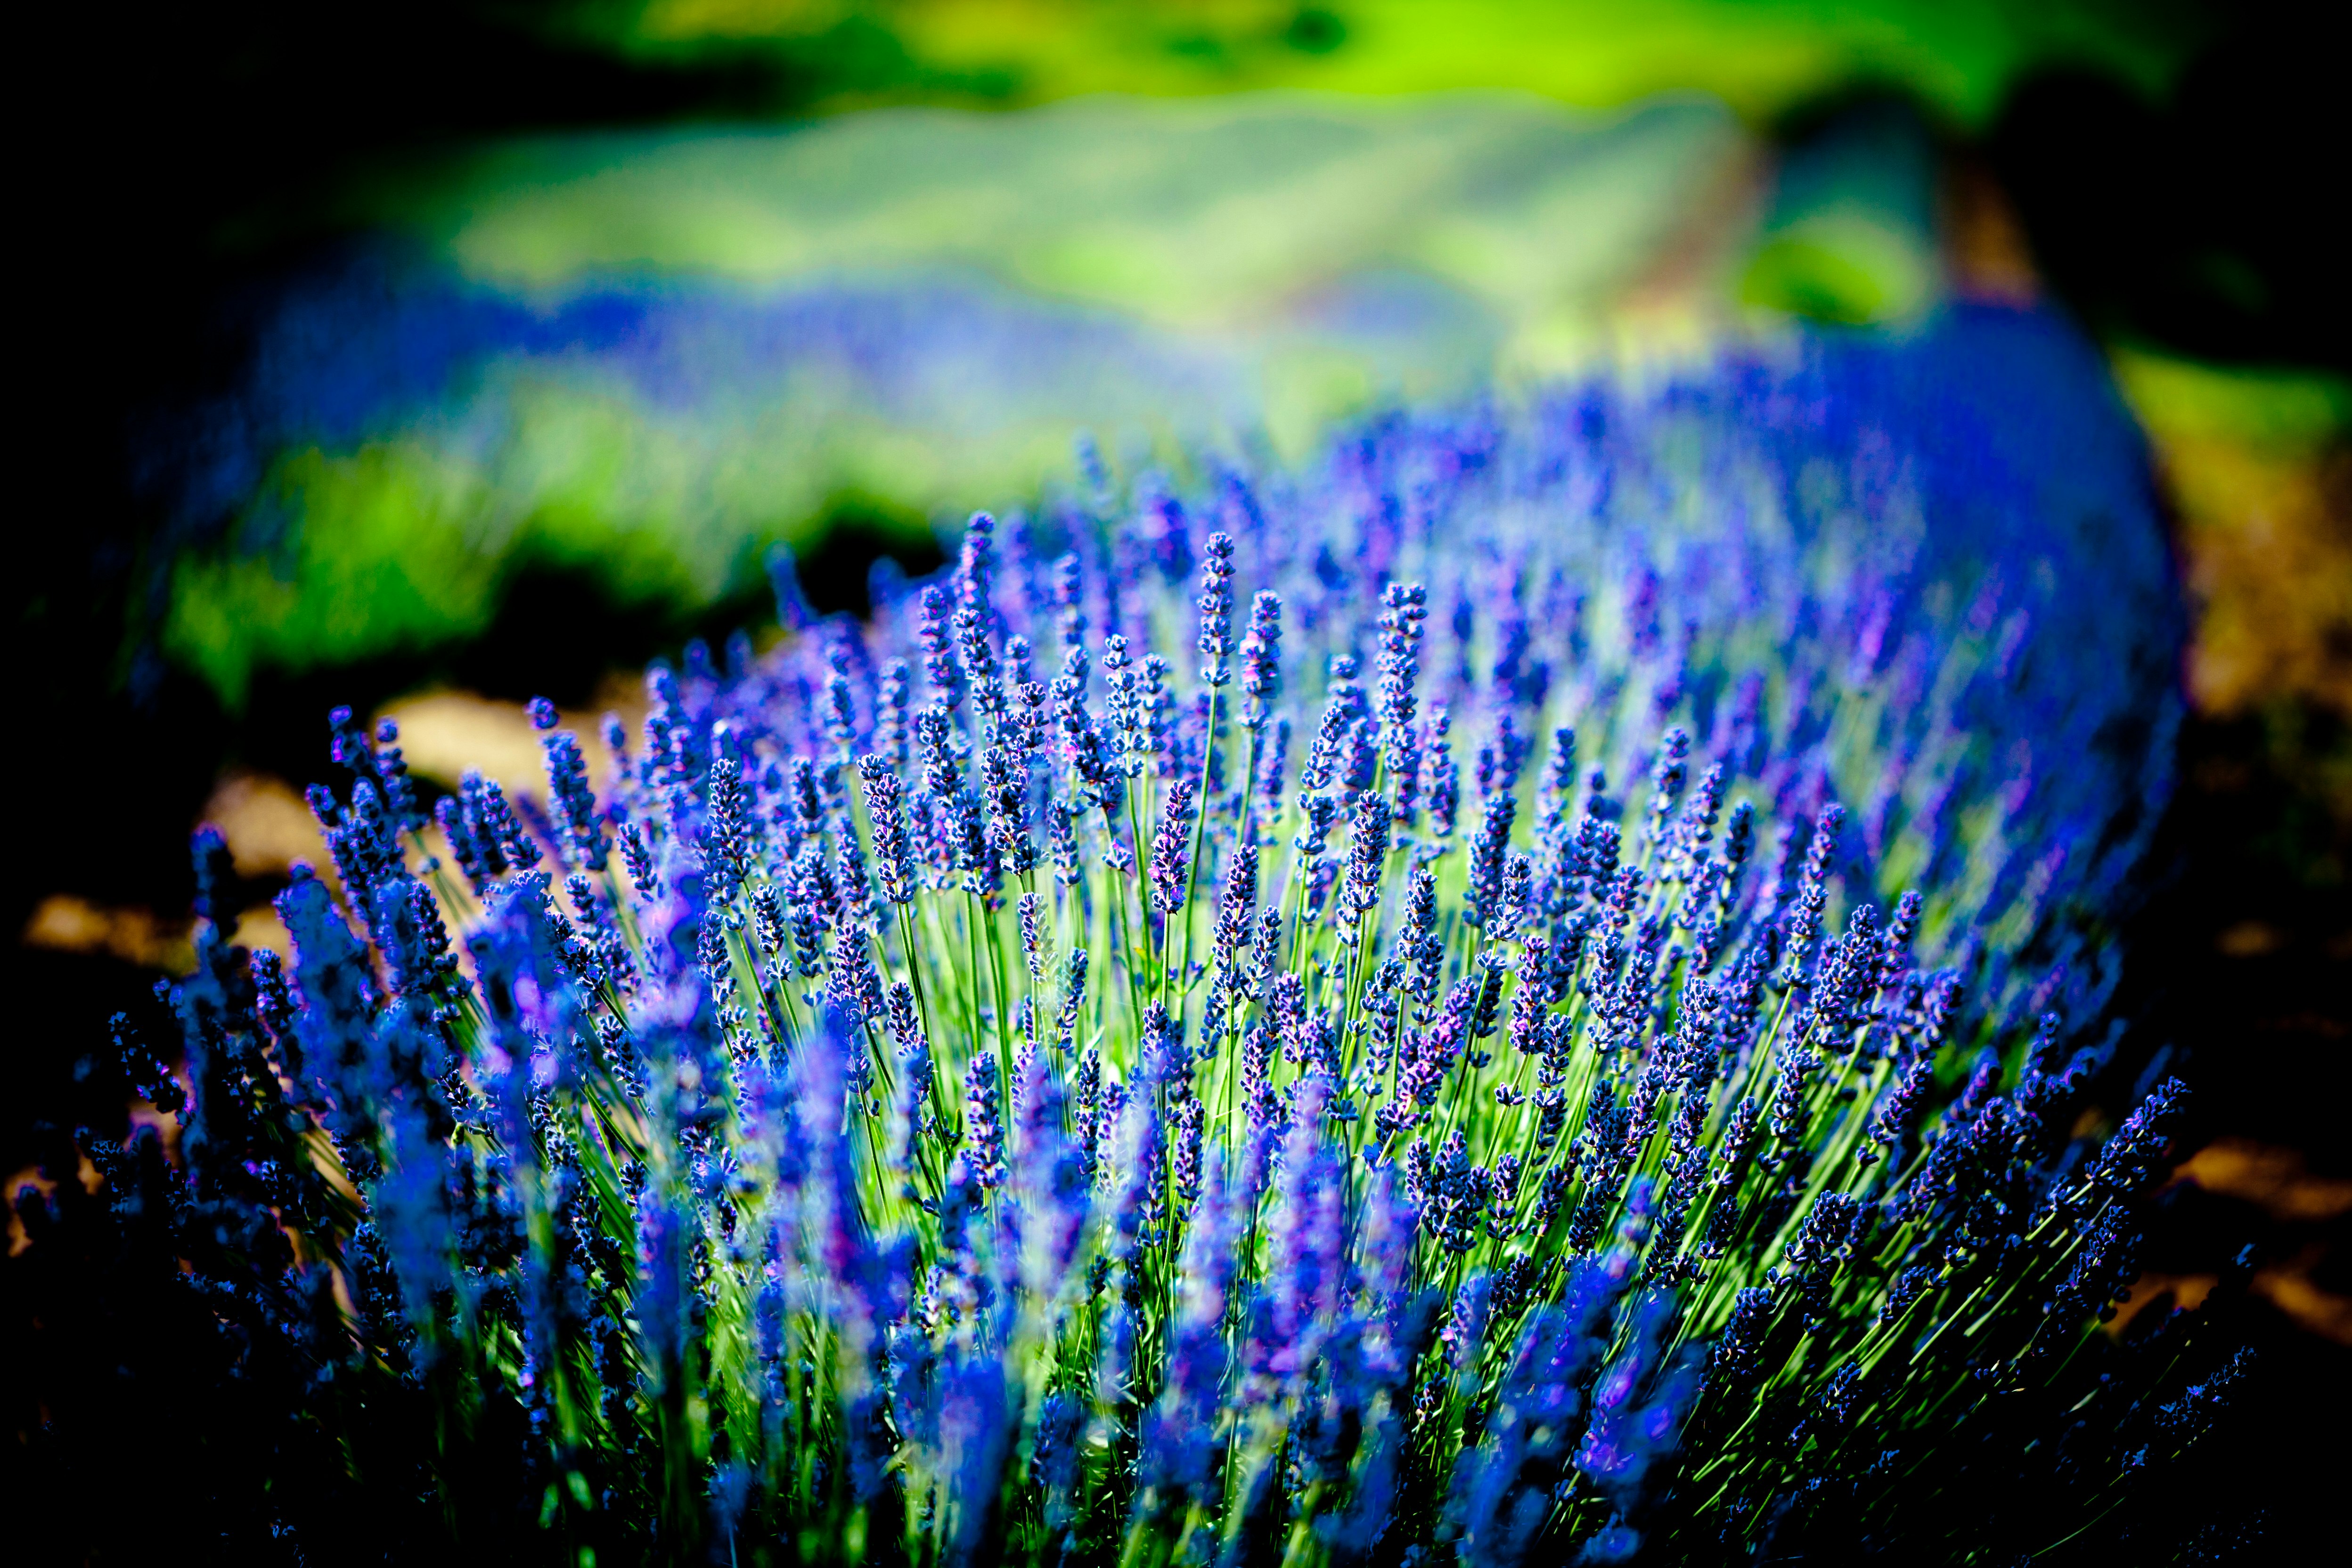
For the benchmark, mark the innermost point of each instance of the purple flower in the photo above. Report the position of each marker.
(984, 1124)
(1216, 607)
(1170, 847)
(2131, 1158)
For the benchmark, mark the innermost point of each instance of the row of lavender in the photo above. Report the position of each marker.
(1322, 1018)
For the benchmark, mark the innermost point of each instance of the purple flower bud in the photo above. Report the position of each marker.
(1485, 894)
(1736, 1359)
(984, 1124)
(1170, 849)
(1216, 606)
(1404, 606)
(2131, 1158)
(1367, 859)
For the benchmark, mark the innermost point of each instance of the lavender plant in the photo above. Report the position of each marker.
(1333, 1019)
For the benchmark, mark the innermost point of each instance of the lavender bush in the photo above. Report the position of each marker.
(1378, 1015)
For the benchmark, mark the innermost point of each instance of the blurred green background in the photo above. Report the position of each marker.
(655, 354)
(1181, 223)
(1762, 57)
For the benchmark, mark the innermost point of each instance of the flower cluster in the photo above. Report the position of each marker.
(1457, 1067)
